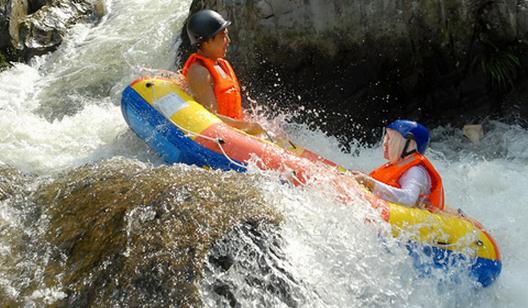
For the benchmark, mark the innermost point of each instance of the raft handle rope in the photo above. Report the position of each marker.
(441, 243)
(219, 141)
(295, 177)
(269, 137)
(461, 213)
(273, 141)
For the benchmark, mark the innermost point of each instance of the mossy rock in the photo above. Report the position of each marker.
(12, 182)
(4, 63)
(127, 234)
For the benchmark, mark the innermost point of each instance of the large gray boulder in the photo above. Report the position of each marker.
(33, 27)
(390, 58)
(125, 234)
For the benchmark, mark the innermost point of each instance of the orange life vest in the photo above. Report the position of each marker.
(226, 86)
(390, 174)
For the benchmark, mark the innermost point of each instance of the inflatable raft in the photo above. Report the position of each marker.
(182, 131)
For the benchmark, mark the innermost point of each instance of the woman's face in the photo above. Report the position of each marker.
(217, 46)
(392, 145)
(386, 138)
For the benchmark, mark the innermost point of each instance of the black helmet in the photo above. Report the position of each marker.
(205, 24)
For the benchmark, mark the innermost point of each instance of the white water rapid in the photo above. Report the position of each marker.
(62, 111)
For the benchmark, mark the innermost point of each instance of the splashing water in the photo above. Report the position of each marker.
(62, 111)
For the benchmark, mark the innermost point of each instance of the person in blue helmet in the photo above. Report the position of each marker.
(408, 178)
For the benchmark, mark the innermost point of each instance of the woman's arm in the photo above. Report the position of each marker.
(252, 128)
(413, 183)
(201, 84)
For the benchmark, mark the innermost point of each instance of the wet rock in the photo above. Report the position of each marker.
(128, 234)
(35, 27)
(12, 182)
(4, 63)
(18, 10)
(4, 24)
(371, 62)
(250, 258)
(35, 5)
(515, 104)
(44, 30)
(18, 234)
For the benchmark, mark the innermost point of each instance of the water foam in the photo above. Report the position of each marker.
(340, 258)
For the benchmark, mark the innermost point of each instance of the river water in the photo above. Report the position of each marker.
(62, 111)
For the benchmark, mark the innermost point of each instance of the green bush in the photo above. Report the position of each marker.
(3, 61)
(500, 65)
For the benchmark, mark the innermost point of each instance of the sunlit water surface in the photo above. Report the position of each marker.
(62, 111)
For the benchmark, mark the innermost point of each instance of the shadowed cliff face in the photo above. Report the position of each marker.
(124, 233)
(368, 63)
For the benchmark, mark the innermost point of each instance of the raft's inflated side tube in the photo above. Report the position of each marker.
(150, 106)
(448, 237)
(182, 131)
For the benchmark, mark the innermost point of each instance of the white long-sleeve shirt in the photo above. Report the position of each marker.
(413, 182)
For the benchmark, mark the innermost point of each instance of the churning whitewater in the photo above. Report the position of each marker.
(64, 142)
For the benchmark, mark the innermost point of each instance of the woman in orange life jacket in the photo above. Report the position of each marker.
(408, 178)
(211, 78)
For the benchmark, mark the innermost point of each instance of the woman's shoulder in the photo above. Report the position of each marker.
(418, 173)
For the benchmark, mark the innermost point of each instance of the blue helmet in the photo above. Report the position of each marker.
(411, 129)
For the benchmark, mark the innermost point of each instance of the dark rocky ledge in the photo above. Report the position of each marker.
(371, 62)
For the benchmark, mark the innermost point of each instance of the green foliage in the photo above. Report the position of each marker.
(3, 62)
(500, 65)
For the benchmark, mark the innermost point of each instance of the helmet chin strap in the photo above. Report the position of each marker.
(407, 144)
